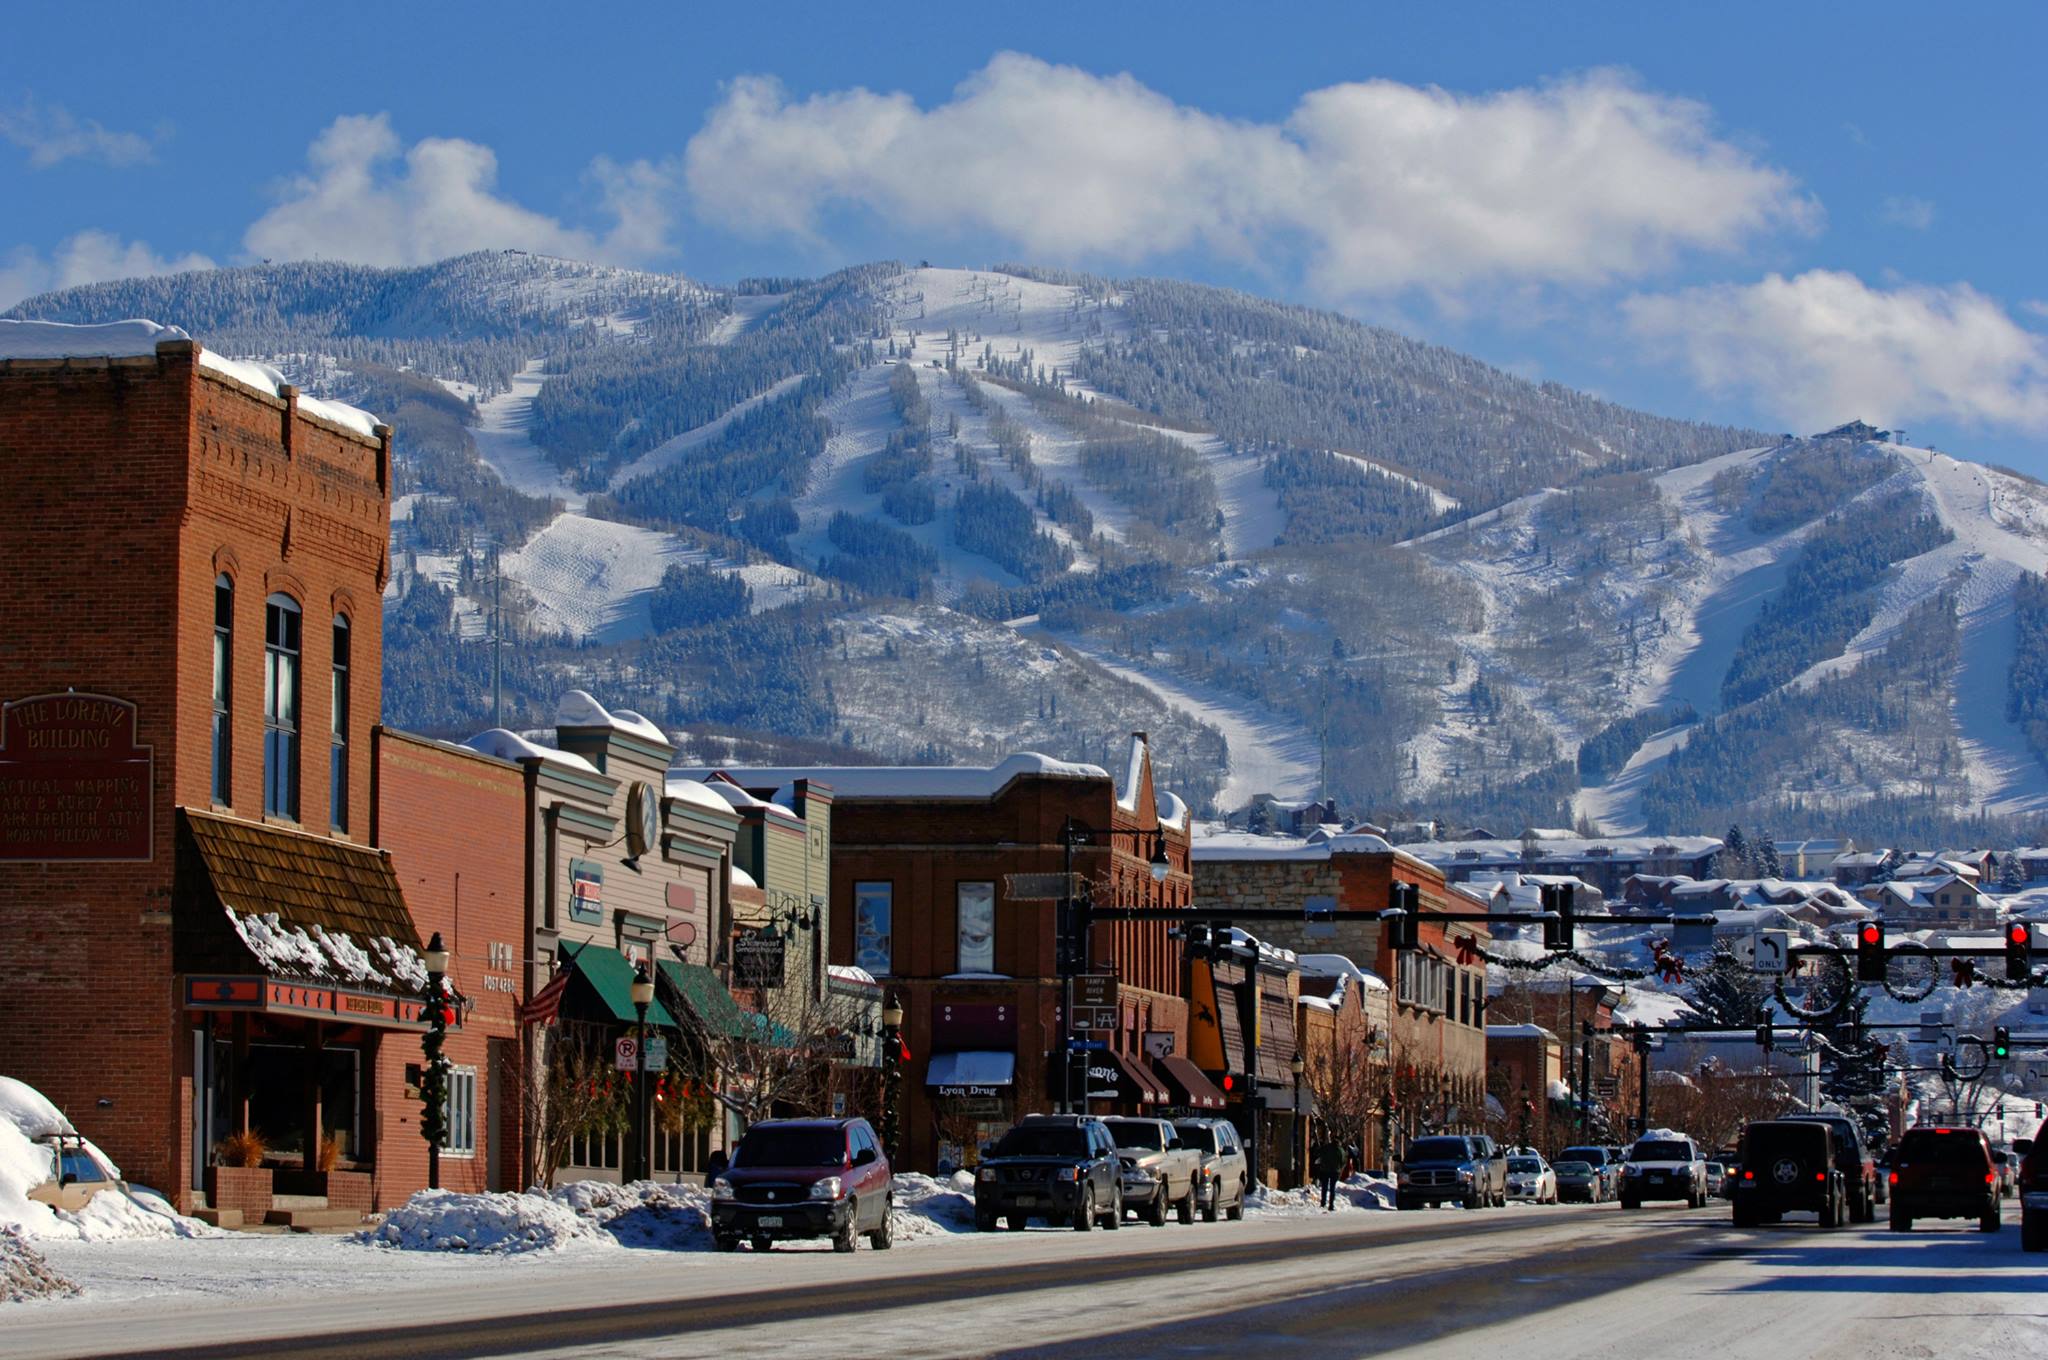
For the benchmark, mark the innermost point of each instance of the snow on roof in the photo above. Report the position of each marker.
(881, 782)
(1640, 1005)
(1518, 1032)
(578, 708)
(1173, 813)
(1242, 846)
(1606, 847)
(721, 786)
(139, 337)
(62, 340)
(740, 878)
(848, 973)
(511, 746)
(1134, 773)
(690, 791)
(30, 1111)
(317, 952)
(1339, 965)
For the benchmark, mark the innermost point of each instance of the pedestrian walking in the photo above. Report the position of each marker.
(1328, 1165)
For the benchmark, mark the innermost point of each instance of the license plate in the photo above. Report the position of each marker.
(1027, 1199)
(769, 1220)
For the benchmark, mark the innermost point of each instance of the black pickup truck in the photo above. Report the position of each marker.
(1062, 1168)
(1462, 1169)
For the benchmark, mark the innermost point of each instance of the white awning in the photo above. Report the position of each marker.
(975, 1067)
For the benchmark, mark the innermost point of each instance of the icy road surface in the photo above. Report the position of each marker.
(1535, 1283)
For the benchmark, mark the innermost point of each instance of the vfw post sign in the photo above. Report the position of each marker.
(74, 783)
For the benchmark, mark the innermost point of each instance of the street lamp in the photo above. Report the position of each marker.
(434, 1074)
(1297, 1067)
(643, 997)
(892, 1071)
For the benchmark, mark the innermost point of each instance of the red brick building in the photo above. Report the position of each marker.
(204, 939)
(921, 861)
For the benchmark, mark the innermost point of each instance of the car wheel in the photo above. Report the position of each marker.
(1831, 1212)
(2034, 1231)
(1016, 1222)
(1990, 1221)
(1116, 1213)
(1236, 1214)
(1212, 1203)
(1084, 1215)
(761, 1243)
(1744, 1218)
(987, 1222)
(727, 1241)
(884, 1237)
(1901, 1222)
(1155, 1212)
(1628, 1203)
(1186, 1207)
(848, 1236)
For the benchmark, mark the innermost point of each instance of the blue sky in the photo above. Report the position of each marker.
(1782, 215)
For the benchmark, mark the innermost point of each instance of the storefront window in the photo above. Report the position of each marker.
(873, 946)
(976, 903)
(461, 1139)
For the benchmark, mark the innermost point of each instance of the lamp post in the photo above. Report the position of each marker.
(643, 997)
(434, 1073)
(892, 1072)
(1070, 936)
(1297, 1067)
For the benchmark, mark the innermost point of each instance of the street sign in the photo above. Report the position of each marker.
(626, 1054)
(1041, 887)
(657, 1053)
(1085, 1045)
(1769, 950)
(1095, 989)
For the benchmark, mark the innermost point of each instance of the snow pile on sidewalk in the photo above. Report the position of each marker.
(1353, 1192)
(586, 1213)
(929, 1206)
(24, 1274)
(112, 1214)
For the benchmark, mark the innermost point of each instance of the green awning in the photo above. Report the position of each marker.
(607, 975)
(705, 996)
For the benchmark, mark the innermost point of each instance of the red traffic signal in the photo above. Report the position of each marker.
(1870, 952)
(2019, 951)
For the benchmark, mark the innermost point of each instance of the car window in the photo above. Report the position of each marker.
(790, 1147)
(1137, 1133)
(1199, 1138)
(1524, 1164)
(80, 1166)
(1660, 1150)
(1574, 1168)
(1952, 1147)
(1058, 1141)
(1438, 1149)
(1593, 1156)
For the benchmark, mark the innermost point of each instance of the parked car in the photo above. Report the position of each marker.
(1531, 1178)
(2033, 1183)
(1225, 1176)
(1159, 1169)
(2007, 1166)
(1603, 1160)
(1664, 1166)
(1452, 1168)
(1062, 1168)
(1944, 1173)
(1790, 1166)
(1720, 1180)
(1579, 1183)
(793, 1179)
(1859, 1167)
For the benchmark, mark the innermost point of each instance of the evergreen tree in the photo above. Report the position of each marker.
(1733, 861)
(1728, 993)
(2012, 875)
(1763, 853)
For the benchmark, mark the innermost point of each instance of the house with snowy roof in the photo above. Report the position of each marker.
(1932, 902)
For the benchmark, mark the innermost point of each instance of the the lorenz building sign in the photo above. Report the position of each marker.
(74, 782)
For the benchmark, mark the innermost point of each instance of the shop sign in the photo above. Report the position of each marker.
(1158, 1043)
(586, 891)
(74, 783)
(971, 1092)
(757, 959)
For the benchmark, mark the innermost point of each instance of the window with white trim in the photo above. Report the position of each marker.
(461, 1138)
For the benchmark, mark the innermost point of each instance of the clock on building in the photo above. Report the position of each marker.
(643, 820)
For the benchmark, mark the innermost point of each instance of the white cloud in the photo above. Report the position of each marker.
(51, 135)
(1824, 347)
(87, 257)
(1904, 210)
(367, 198)
(1382, 186)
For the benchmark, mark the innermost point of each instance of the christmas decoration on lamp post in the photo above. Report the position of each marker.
(434, 1073)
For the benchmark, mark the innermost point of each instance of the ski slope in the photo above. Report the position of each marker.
(672, 451)
(503, 441)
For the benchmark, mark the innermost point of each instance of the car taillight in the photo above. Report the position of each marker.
(1991, 1178)
(1820, 1175)
(1895, 1178)
(1749, 1175)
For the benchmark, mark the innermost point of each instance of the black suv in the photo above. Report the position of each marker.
(1944, 1173)
(1790, 1166)
(1859, 1167)
(1062, 1168)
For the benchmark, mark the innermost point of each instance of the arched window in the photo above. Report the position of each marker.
(337, 741)
(281, 648)
(223, 685)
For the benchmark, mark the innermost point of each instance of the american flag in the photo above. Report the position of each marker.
(547, 1002)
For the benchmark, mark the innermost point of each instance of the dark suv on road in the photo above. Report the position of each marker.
(1062, 1168)
(1452, 1168)
(804, 1178)
(1853, 1156)
(1789, 1166)
(1943, 1173)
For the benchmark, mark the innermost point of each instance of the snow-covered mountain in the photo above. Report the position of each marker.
(941, 513)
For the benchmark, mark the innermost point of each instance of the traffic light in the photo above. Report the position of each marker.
(1870, 952)
(2001, 1043)
(1404, 931)
(1763, 1036)
(2019, 951)
(1557, 918)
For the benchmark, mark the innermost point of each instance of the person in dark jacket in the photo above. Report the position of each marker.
(1328, 1165)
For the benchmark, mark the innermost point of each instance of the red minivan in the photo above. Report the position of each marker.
(1943, 1173)
(804, 1178)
